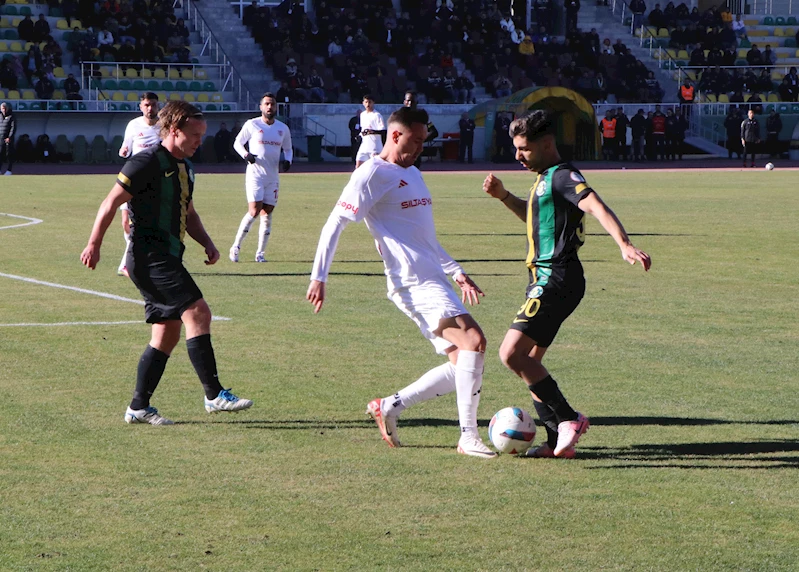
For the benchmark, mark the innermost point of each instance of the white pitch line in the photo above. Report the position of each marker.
(85, 291)
(31, 221)
(28, 325)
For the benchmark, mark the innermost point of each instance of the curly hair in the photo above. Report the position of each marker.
(175, 114)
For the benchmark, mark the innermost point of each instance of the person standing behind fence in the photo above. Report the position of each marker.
(607, 127)
(659, 134)
(8, 128)
(750, 136)
(773, 128)
(638, 128)
(466, 126)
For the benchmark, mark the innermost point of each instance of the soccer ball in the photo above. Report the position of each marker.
(512, 430)
(769, 166)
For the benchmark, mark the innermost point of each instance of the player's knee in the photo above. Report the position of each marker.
(512, 358)
(474, 340)
(198, 315)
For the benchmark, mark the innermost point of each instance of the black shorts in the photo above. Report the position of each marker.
(549, 302)
(167, 287)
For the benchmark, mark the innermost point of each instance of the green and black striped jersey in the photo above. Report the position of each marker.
(162, 188)
(555, 224)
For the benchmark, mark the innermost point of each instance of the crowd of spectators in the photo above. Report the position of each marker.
(367, 46)
(655, 135)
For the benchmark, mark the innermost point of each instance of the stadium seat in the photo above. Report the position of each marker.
(3, 47)
(187, 74)
(203, 98)
(28, 94)
(773, 98)
(63, 148)
(711, 97)
(11, 35)
(125, 84)
(181, 86)
(779, 32)
(61, 25)
(200, 73)
(663, 33)
(59, 72)
(139, 85)
(118, 96)
(99, 151)
(146, 74)
(110, 84)
(724, 98)
(195, 86)
(113, 107)
(226, 107)
(25, 11)
(159, 74)
(188, 97)
(174, 96)
(779, 21)
(209, 86)
(132, 96)
(114, 147)
(59, 94)
(80, 149)
(126, 107)
(131, 73)
(791, 21)
(153, 85)
(795, 108)
(167, 85)
(742, 54)
(217, 98)
(77, 24)
(790, 43)
(10, 10)
(174, 73)
(21, 106)
(16, 47)
(768, 21)
(161, 96)
(783, 108)
(744, 43)
(210, 107)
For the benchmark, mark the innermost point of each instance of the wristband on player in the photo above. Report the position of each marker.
(250, 158)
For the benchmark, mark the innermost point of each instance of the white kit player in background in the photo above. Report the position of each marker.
(372, 129)
(259, 142)
(140, 134)
(390, 196)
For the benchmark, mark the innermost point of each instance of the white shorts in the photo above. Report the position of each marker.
(427, 304)
(365, 156)
(259, 191)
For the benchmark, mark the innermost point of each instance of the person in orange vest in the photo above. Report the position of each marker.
(659, 133)
(607, 127)
(687, 95)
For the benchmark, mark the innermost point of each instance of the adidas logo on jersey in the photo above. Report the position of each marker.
(402, 184)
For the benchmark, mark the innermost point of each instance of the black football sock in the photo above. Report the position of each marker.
(201, 354)
(548, 392)
(151, 367)
(550, 421)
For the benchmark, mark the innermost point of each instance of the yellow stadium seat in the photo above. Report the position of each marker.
(724, 98)
(3, 47)
(753, 22)
(663, 33)
(2, 94)
(174, 73)
(757, 33)
(77, 24)
(174, 97)
(187, 74)
(13, 94)
(101, 96)
(217, 98)
(15, 22)
(742, 54)
(161, 96)
(203, 98)
(683, 55)
(146, 74)
(200, 73)
(59, 94)
(776, 76)
(132, 96)
(118, 96)
(59, 72)
(5, 23)
(131, 73)
(783, 56)
(711, 97)
(672, 53)
(61, 25)
(29, 45)
(28, 94)
(779, 32)
(16, 47)
(773, 98)
(189, 97)
(159, 74)
(104, 72)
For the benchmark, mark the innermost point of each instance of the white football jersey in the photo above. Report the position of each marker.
(371, 143)
(140, 136)
(397, 208)
(265, 142)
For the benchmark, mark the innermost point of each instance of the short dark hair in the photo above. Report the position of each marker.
(267, 94)
(407, 116)
(532, 125)
(367, 96)
(148, 95)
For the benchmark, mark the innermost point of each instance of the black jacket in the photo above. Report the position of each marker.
(8, 126)
(750, 130)
(774, 124)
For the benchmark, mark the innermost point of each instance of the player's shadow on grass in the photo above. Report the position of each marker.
(690, 421)
(718, 455)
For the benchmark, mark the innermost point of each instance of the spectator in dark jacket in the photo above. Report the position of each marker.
(638, 126)
(750, 136)
(25, 29)
(8, 128)
(732, 123)
(41, 29)
(44, 87)
(773, 128)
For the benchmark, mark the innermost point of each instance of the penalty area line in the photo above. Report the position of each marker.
(27, 218)
(91, 292)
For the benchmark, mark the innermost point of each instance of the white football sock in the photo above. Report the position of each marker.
(468, 383)
(124, 254)
(436, 382)
(244, 228)
(264, 232)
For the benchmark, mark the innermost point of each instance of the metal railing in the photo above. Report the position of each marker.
(273, 3)
(684, 71)
(313, 127)
(212, 49)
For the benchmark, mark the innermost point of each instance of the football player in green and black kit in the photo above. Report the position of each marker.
(555, 216)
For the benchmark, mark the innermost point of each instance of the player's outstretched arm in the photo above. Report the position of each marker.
(594, 206)
(316, 295)
(470, 292)
(105, 215)
(493, 187)
(196, 230)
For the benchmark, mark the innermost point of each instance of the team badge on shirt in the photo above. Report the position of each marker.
(542, 188)
(576, 177)
(536, 292)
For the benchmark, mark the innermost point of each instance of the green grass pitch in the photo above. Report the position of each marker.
(689, 374)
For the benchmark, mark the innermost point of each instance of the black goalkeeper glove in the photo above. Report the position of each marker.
(250, 158)
(286, 166)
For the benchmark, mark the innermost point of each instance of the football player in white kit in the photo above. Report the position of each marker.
(140, 134)
(259, 142)
(390, 196)
(372, 129)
